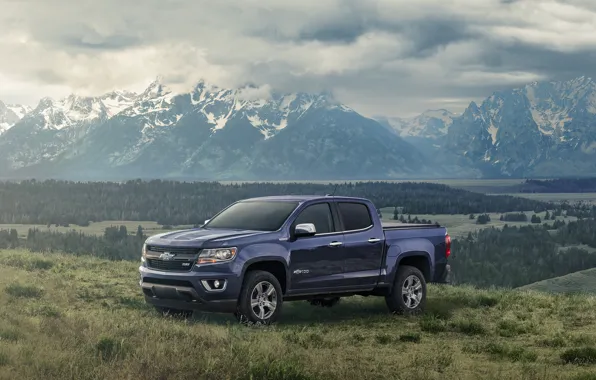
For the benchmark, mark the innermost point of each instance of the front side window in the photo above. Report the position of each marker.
(254, 215)
(319, 215)
(355, 216)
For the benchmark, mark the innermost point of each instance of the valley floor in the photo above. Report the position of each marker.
(67, 317)
(459, 225)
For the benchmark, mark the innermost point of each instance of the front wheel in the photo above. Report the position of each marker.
(260, 299)
(409, 292)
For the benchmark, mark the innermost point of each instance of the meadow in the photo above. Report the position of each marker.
(96, 228)
(460, 225)
(578, 282)
(67, 317)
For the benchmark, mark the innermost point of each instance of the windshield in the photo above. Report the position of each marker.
(254, 215)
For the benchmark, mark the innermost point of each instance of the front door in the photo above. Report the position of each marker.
(317, 262)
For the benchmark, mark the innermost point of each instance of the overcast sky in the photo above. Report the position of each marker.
(381, 57)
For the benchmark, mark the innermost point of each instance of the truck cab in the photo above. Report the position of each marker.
(258, 253)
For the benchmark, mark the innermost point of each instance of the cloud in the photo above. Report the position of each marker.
(379, 56)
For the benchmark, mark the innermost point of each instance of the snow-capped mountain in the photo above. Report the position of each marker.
(10, 114)
(431, 124)
(541, 129)
(208, 133)
(52, 126)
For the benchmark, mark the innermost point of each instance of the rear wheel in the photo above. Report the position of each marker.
(408, 295)
(260, 299)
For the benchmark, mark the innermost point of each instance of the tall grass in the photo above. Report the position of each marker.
(82, 318)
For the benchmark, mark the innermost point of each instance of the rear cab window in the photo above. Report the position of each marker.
(355, 216)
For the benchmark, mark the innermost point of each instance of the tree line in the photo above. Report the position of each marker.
(188, 203)
(115, 244)
(559, 185)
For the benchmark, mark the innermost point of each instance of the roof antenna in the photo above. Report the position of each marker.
(332, 194)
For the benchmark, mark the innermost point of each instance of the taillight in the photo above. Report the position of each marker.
(447, 245)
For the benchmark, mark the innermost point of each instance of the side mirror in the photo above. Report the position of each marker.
(305, 229)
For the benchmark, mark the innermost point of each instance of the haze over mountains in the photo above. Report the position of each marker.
(541, 129)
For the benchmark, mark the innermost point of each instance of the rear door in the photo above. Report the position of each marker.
(317, 262)
(363, 244)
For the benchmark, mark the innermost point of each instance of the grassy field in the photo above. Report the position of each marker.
(461, 225)
(66, 317)
(579, 282)
(149, 228)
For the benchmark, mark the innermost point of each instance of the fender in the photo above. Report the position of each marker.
(265, 258)
(395, 262)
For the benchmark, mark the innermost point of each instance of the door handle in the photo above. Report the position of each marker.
(335, 243)
(374, 240)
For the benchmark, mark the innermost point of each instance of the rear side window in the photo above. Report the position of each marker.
(319, 215)
(354, 215)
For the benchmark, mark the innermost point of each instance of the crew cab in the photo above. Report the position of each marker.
(258, 253)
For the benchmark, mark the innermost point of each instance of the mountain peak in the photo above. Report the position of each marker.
(517, 131)
(44, 102)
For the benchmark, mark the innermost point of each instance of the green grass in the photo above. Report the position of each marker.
(579, 282)
(84, 318)
(149, 228)
(461, 225)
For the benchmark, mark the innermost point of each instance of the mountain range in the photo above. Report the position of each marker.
(543, 129)
(208, 133)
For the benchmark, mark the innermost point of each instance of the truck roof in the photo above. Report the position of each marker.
(303, 198)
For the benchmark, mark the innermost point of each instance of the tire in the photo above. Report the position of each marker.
(176, 313)
(324, 302)
(411, 280)
(264, 289)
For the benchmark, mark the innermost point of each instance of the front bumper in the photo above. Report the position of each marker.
(188, 291)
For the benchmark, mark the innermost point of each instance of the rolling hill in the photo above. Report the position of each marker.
(578, 282)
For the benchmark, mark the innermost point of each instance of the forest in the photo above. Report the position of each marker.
(190, 203)
(516, 256)
(115, 244)
(559, 185)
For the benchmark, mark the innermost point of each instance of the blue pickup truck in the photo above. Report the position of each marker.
(258, 253)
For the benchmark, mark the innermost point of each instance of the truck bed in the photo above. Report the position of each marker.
(398, 225)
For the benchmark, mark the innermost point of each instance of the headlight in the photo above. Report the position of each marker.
(216, 255)
(143, 253)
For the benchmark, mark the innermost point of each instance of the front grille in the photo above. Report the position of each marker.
(174, 250)
(170, 265)
(179, 259)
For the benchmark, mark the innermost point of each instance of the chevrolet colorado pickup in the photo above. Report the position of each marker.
(258, 253)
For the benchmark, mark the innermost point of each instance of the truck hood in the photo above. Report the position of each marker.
(197, 237)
